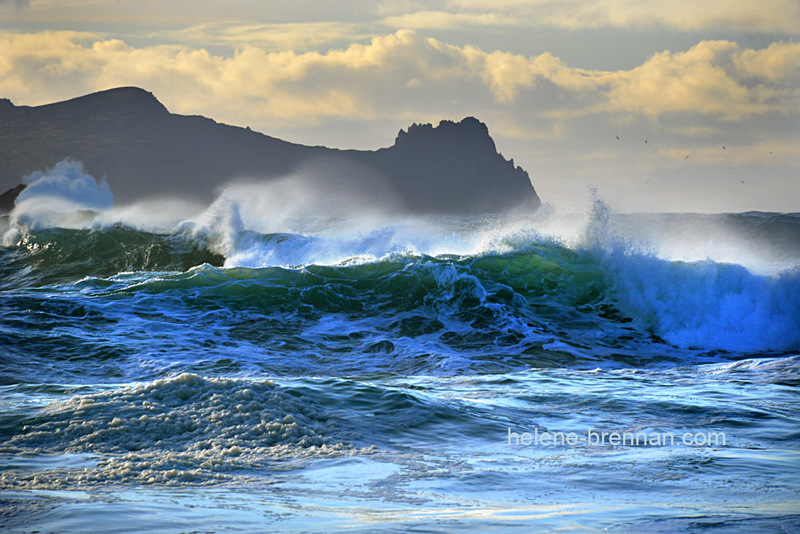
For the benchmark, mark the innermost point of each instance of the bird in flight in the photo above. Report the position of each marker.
(617, 138)
(686, 157)
(723, 147)
(645, 141)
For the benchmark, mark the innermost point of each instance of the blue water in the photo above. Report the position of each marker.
(227, 372)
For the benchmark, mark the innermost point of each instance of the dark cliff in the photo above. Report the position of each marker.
(127, 136)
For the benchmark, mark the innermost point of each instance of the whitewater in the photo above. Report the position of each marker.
(285, 360)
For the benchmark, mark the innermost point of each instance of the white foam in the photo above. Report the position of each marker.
(185, 429)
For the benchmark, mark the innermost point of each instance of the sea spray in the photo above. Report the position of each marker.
(64, 197)
(68, 197)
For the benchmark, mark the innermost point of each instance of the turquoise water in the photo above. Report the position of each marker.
(389, 377)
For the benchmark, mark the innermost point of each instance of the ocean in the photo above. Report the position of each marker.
(254, 369)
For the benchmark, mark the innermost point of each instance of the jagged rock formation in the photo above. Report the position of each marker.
(127, 136)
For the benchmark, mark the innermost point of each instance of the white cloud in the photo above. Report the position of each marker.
(694, 15)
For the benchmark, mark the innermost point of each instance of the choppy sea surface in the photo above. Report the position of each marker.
(235, 372)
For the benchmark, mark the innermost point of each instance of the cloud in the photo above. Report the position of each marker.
(399, 7)
(688, 15)
(778, 63)
(284, 36)
(439, 20)
(38, 67)
(709, 78)
(398, 70)
(765, 16)
(506, 74)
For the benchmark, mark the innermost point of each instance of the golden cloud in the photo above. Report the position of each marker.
(705, 79)
(395, 74)
(778, 63)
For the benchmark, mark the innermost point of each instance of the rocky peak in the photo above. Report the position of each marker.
(469, 132)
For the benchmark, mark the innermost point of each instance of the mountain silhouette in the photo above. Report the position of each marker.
(128, 137)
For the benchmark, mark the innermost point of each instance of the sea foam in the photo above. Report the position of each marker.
(185, 429)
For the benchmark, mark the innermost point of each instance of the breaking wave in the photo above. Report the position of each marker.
(525, 283)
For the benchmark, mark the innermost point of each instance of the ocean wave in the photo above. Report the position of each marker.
(710, 305)
(61, 255)
(591, 286)
(518, 298)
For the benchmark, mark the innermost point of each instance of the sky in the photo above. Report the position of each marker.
(680, 106)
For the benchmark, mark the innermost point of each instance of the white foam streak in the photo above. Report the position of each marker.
(185, 429)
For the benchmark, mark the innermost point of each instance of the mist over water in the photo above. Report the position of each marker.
(296, 335)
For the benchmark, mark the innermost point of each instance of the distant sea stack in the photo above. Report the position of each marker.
(142, 150)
